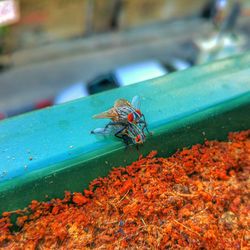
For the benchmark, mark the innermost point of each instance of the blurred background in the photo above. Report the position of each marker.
(54, 51)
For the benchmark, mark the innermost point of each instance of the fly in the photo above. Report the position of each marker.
(125, 112)
(127, 121)
(130, 134)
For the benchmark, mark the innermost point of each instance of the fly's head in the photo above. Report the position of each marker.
(138, 140)
(136, 134)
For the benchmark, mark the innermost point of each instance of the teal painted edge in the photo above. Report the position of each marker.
(171, 126)
(44, 184)
(51, 138)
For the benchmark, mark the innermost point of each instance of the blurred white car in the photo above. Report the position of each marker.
(136, 72)
(121, 76)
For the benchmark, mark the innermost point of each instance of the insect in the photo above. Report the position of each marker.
(131, 133)
(123, 112)
(127, 121)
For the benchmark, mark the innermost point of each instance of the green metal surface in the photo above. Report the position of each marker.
(46, 152)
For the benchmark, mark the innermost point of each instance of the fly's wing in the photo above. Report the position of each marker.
(109, 114)
(112, 113)
(111, 130)
(121, 103)
(136, 102)
(100, 131)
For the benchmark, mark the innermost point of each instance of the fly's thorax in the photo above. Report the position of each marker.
(121, 114)
(129, 114)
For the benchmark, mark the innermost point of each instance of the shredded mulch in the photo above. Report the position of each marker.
(196, 199)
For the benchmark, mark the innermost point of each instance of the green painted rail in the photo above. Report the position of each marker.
(46, 152)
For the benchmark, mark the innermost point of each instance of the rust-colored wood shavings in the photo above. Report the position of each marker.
(196, 199)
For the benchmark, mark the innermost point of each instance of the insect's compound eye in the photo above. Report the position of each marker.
(138, 138)
(138, 111)
(130, 117)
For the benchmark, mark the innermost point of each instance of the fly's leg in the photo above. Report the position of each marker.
(127, 142)
(145, 125)
(137, 146)
(118, 133)
(125, 138)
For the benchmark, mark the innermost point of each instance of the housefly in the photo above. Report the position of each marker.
(131, 133)
(124, 112)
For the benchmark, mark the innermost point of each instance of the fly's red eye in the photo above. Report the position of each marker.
(138, 112)
(138, 138)
(130, 117)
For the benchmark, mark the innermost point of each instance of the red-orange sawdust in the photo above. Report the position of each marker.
(196, 199)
